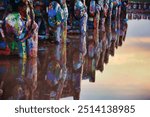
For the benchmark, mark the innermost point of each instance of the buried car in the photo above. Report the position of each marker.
(57, 20)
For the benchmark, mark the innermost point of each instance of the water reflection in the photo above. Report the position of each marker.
(18, 78)
(61, 73)
(59, 69)
(138, 16)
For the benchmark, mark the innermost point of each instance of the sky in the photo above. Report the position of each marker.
(127, 74)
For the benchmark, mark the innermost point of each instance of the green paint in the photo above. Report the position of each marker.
(13, 46)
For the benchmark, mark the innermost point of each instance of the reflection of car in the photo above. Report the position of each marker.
(130, 16)
(134, 16)
(21, 80)
(145, 16)
(149, 17)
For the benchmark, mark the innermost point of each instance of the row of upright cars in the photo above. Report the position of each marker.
(54, 19)
(139, 6)
(75, 16)
(79, 15)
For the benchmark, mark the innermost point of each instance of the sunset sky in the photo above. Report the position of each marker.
(127, 75)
